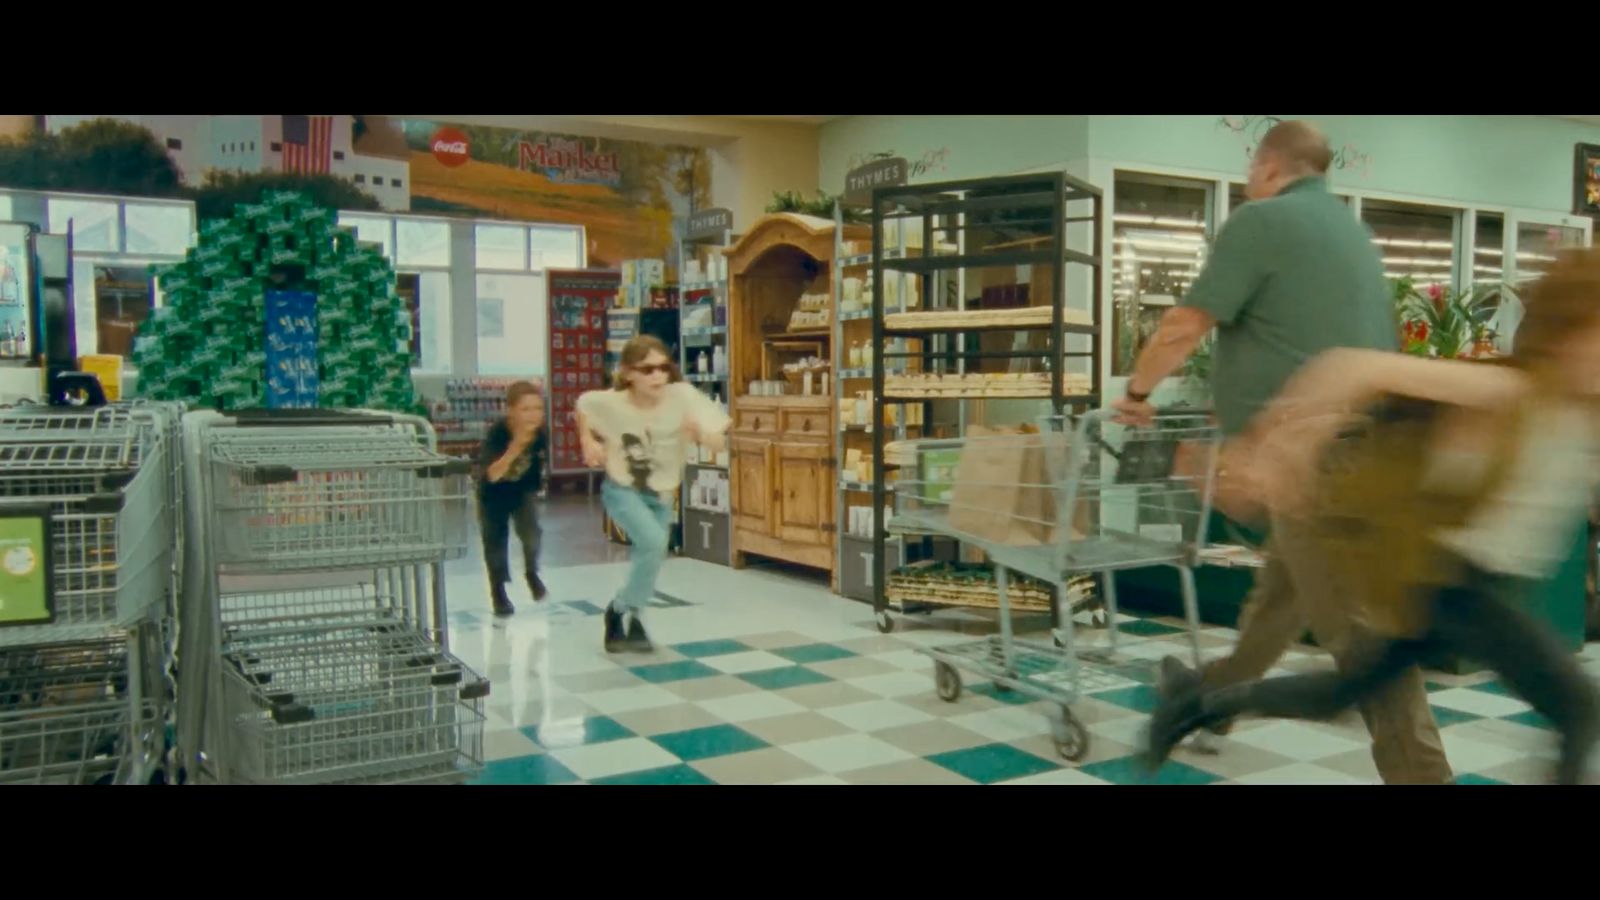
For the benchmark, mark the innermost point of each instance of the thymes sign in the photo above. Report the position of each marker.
(709, 224)
(858, 184)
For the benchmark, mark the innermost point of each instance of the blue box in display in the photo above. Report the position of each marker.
(292, 381)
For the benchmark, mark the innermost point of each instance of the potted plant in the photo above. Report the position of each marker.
(1447, 324)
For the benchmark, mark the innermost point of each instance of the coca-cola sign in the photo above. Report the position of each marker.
(450, 147)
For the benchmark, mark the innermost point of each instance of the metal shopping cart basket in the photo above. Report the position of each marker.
(1106, 498)
(315, 647)
(84, 692)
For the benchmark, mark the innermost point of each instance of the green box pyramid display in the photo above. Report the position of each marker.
(206, 346)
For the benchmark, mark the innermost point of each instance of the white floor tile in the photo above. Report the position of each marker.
(1469, 755)
(847, 753)
(1301, 773)
(752, 706)
(632, 699)
(1479, 703)
(817, 780)
(896, 684)
(876, 715)
(1297, 741)
(614, 758)
(507, 744)
(1005, 724)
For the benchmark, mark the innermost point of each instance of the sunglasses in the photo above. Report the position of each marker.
(651, 370)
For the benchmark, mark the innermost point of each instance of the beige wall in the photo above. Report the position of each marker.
(750, 160)
(11, 126)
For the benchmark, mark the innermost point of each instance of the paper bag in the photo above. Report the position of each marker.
(1004, 491)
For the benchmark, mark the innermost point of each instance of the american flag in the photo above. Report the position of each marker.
(307, 143)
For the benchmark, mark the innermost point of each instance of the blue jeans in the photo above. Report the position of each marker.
(647, 521)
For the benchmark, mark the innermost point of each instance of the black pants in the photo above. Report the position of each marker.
(1471, 620)
(496, 518)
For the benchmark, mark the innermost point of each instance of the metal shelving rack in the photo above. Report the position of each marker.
(996, 222)
(690, 341)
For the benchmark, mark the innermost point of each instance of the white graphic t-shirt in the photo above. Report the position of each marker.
(646, 449)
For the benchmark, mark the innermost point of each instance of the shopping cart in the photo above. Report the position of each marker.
(85, 695)
(314, 645)
(1108, 498)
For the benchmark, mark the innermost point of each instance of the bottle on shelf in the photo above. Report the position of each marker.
(8, 343)
(719, 360)
(703, 364)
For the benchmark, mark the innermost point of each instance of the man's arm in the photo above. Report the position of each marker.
(1181, 330)
(1231, 276)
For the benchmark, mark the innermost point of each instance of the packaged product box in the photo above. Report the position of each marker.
(108, 369)
(344, 239)
(252, 212)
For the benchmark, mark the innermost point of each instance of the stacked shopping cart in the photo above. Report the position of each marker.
(85, 695)
(313, 641)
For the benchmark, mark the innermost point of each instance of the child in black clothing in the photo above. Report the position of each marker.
(513, 461)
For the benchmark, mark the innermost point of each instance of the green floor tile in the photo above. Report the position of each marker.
(706, 743)
(1148, 628)
(535, 769)
(813, 653)
(703, 649)
(993, 763)
(1127, 770)
(988, 689)
(1532, 720)
(596, 730)
(1444, 716)
(787, 677)
(1139, 699)
(1476, 779)
(682, 670)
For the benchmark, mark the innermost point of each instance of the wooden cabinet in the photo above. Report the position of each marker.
(783, 476)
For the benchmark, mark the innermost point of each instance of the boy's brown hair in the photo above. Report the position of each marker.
(637, 351)
(518, 390)
(1564, 302)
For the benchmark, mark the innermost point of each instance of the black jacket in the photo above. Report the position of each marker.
(511, 491)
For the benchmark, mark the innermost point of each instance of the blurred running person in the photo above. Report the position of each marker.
(513, 461)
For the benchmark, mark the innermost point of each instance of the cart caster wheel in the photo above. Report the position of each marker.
(1072, 739)
(885, 624)
(948, 682)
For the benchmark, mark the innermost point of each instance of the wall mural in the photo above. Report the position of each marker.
(633, 197)
(1251, 129)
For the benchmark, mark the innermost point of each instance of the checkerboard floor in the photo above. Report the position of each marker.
(763, 678)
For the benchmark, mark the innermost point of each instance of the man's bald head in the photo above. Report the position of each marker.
(1289, 152)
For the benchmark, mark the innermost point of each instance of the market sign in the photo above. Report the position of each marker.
(709, 224)
(567, 159)
(25, 582)
(860, 181)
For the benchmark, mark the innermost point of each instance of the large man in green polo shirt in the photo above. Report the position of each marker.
(1292, 274)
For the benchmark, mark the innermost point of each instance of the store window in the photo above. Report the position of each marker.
(375, 229)
(158, 228)
(556, 248)
(123, 297)
(1416, 241)
(94, 223)
(1488, 248)
(427, 297)
(421, 242)
(512, 324)
(1537, 246)
(501, 247)
(1159, 231)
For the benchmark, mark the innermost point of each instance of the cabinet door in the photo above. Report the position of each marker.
(750, 462)
(805, 505)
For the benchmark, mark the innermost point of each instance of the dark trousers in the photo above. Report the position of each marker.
(1472, 620)
(496, 519)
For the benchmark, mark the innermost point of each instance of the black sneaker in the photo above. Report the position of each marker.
(502, 603)
(536, 584)
(638, 641)
(1177, 679)
(1174, 717)
(616, 641)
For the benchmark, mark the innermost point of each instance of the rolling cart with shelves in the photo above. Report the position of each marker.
(1024, 224)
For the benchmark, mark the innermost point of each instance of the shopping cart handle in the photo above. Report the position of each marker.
(477, 690)
(262, 475)
(103, 504)
(292, 714)
(452, 466)
(309, 418)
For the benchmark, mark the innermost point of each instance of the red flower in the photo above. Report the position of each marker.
(1436, 294)
(1415, 331)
